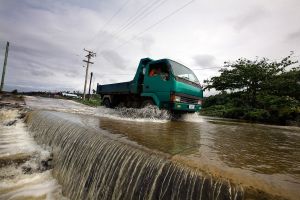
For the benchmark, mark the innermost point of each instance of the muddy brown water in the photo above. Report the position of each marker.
(141, 154)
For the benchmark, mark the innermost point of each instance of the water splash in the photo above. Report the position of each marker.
(149, 113)
(90, 165)
(192, 117)
(31, 186)
(8, 114)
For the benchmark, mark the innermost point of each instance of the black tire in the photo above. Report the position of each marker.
(148, 102)
(106, 103)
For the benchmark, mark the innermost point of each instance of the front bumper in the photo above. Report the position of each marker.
(185, 107)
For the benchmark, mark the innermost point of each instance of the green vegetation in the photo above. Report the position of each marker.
(260, 90)
(94, 101)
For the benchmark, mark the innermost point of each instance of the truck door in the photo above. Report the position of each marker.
(157, 81)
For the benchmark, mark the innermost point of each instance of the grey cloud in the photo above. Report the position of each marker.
(41, 73)
(114, 58)
(46, 35)
(98, 75)
(204, 60)
(38, 51)
(294, 36)
(252, 16)
(47, 58)
(72, 74)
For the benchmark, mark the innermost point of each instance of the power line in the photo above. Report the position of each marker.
(137, 14)
(116, 13)
(156, 23)
(137, 17)
(101, 30)
(141, 16)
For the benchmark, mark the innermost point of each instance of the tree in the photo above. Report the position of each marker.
(251, 77)
(286, 84)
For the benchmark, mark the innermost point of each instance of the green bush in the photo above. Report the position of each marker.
(257, 115)
(215, 111)
(235, 112)
(94, 101)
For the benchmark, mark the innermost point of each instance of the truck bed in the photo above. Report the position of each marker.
(116, 88)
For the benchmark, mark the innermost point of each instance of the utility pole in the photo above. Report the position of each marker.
(89, 56)
(4, 66)
(90, 85)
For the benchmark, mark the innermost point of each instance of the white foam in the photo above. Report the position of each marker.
(17, 145)
(192, 117)
(8, 114)
(31, 185)
(147, 114)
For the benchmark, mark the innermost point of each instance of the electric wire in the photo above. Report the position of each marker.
(143, 12)
(140, 17)
(101, 30)
(155, 24)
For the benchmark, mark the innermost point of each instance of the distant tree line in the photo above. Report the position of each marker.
(256, 90)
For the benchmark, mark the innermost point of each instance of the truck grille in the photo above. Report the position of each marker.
(189, 100)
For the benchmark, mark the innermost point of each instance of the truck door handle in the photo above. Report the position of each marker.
(147, 86)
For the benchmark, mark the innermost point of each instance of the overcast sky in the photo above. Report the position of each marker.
(47, 37)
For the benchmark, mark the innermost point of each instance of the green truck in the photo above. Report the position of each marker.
(164, 83)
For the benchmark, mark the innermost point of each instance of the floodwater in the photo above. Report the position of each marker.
(260, 157)
(254, 155)
(22, 174)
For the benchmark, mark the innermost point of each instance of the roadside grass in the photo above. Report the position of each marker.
(94, 101)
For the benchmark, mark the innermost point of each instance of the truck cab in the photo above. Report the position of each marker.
(164, 83)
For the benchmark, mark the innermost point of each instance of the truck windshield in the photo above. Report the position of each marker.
(183, 72)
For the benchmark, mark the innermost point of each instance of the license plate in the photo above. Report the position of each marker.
(191, 106)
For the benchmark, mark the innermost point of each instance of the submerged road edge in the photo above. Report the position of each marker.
(91, 165)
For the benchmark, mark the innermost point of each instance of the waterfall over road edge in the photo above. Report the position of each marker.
(90, 165)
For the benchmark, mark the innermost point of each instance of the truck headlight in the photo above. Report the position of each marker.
(175, 98)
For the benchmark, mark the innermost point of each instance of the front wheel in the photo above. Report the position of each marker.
(106, 103)
(147, 103)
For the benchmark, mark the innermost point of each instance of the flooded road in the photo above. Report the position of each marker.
(262, 159)
(254, 155)
(259, 156)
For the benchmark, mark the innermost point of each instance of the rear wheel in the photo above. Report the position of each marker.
(106, 103)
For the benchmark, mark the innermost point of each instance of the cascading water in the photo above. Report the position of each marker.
(24, 173)
(91, 165)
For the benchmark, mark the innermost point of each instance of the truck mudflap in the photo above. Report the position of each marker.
(185, 107)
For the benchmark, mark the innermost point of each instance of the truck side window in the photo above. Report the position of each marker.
(159, 69)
